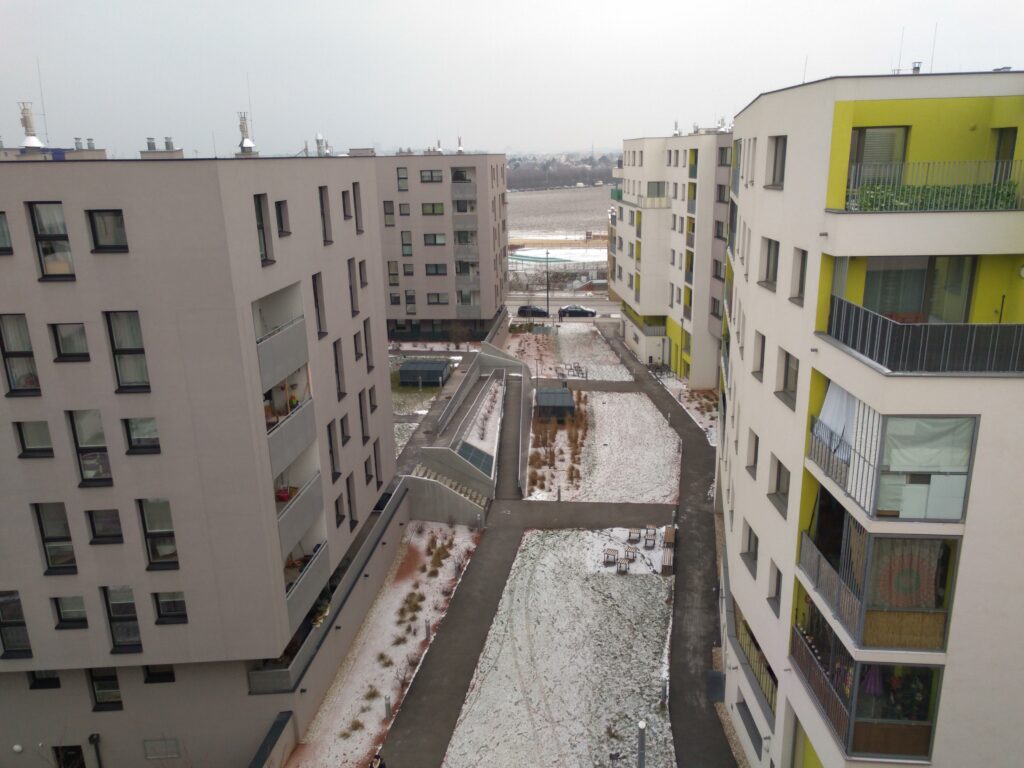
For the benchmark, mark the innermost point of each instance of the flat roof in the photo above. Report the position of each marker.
(425, 365)
(554, 396)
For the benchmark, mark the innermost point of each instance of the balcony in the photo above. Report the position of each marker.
(829, 585)
(304, 577)
(808, 660)
(690, 239)
(688, 276)
(687, 311)
(467, 311)
(468, 280)
(959, 185)
(281, 350)
(297, 509)
(463, 190)
(616, 193)
(643, 201)
(465, 221)
(693, 170)
(691, 206)
(467, 250)
(917, 348)
(291, 435)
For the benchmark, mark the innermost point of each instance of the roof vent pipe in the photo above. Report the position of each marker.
(151, 144)
(31, 141)
(90, 144)
(78, 142)
(168, 143)
(917, 68)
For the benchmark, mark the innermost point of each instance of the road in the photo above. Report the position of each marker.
(596, 301)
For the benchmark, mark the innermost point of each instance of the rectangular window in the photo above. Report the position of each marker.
(373, 398)
(716, 307)
(364, 419)
(393, 273)
(368, 344)
(465, 206)
(123, 620)
(437, 269)
(69, 342)
(718, 269)
(410, 301)
(403, 179)
(432, 209)
(357, 201)
(774, 587)
(357, 344)
(777, 158)
(721, 193)
(90, 447)
(14, 642)
(55, 534)
(720, 229)
(389, 213)
(346, 434)
(43, 678)
(159, 673)
(346, 204)
(408, 270)
(376, 460)
(5, 236)
(769, 263)
(170, 608)
(142, 436)
(325, 216)
(750, 546)
(353, 290)
(108, 233)
(129, 353)
(759, 347)
(723, 155)
(437, 298)
(350, 499)
(431, 177)
(52, 245)
(789, 373)
(106, 693)
(105, 526)
(332, 456)
(318, 305)
(266, 244)
(433, 238)
(158, 532)
(395, 299)
(19, 361)
(339, 511)
(799, 276)
(339, 370)
(368, 470)
(467, 237)
(924, 468)
(406, 243)
(33, 439)
(403, 209)
(753, 446)
(778, 485)
(283, 222)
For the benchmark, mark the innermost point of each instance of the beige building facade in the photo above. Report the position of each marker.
(197, 445)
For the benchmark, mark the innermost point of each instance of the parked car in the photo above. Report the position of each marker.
(576, 310)
(532, 310)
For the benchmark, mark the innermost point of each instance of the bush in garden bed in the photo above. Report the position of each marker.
(998, 196)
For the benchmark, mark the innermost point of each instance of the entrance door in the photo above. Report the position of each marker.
(69, 757)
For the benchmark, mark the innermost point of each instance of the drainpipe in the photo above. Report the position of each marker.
(94, 739)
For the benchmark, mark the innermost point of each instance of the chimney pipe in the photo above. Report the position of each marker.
(90, 144)
(78, 142)
(150, 143)
(168, 143)
(31, 141)
(917, 68)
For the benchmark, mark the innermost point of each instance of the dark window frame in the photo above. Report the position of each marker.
(282, 218)
(39, 680)
(318, 305)
(131, 448)
(339, 369)
(151, 538)
(15, 622)
(332, 451)
(343, 428)
(431, 176)
(67, 357)
(357, 206)
(63, 622)
(126, 620)
(402, 173)
(6, 354)
(47, 539)
(104, 675)
(104, 538)
(96, 246)
(777, 171)
(5, 250)
(326, 227)
(41, 238)
(163, 616)
(32, 453)
(80, 451)
(350, 500)
(266, 248)
(346, 204)
(439, 270)
(157, 673)
(389, 212)
(117, 352)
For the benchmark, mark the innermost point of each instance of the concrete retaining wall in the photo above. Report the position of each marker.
(437, 503)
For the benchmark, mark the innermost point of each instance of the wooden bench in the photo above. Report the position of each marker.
(631, 552)
(622, 566)
(611, 556)
(634, 535)
(667, 559)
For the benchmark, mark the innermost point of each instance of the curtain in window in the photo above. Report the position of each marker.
(158, 516)
(143, 431)
(72, 339)
(838, 413)
(928, 445)
(15, 333)
(903, 573)
(89, 429)
(49, 219)
(109, 226)
(126, 330)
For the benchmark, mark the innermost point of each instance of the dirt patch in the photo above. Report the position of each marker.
(410, 564)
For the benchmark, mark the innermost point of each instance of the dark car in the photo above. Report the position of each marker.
(575, 310)
(531, 310)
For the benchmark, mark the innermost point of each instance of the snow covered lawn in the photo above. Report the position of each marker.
(701, 404)
(576, 656)
(403, 431)
(431, 346)
(486, 425)
(384, 657)
(628, 453)
(574, 350)
(409, 401)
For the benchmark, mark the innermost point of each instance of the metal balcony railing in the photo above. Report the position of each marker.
(687, 311)
(691, 206)
(829, 451)
(956, 185)
(927, 347)
(829, 585)
(688, 276)
(836, 712)
(690, 239)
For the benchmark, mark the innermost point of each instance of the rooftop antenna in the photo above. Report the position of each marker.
(42, 101)
(805, 68)
(245, 146)
(252, 120)
(931, 61)
(899, 59)
(675, 129)
(31, 141)
(460, 150)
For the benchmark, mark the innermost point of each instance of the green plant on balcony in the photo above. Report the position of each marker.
(994, 196)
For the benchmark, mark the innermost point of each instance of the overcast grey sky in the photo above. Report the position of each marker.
(536, 75)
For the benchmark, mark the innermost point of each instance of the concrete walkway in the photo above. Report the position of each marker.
(507, 486)
(577, 514)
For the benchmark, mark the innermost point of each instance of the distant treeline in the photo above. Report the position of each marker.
(552, 174)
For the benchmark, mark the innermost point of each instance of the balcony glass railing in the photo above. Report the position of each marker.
(927, 347)
(959, 185)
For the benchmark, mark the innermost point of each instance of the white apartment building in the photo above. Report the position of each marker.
(870, 439)
(196, 436)
(666, 250)
(444, 240)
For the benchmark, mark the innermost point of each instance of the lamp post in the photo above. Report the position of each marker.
(547, 280)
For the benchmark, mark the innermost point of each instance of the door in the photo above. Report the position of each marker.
(1006, 140)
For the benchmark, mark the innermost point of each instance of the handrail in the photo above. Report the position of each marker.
(826, 697)
(291, 502)
(951, 185)
(279, 328)
(830, 585)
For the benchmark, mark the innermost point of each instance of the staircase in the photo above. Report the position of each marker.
(467, 493)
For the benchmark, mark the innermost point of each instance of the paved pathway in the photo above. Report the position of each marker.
(507, 486)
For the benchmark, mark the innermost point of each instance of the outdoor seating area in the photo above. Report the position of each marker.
(628, 553)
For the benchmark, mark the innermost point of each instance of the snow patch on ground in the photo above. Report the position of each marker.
(409, 401)
(630, 454)
(432, 346)
(701, 404)
(350, 724)
(483, 431)
(574, 350)
(403, 431)
(572, 661)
